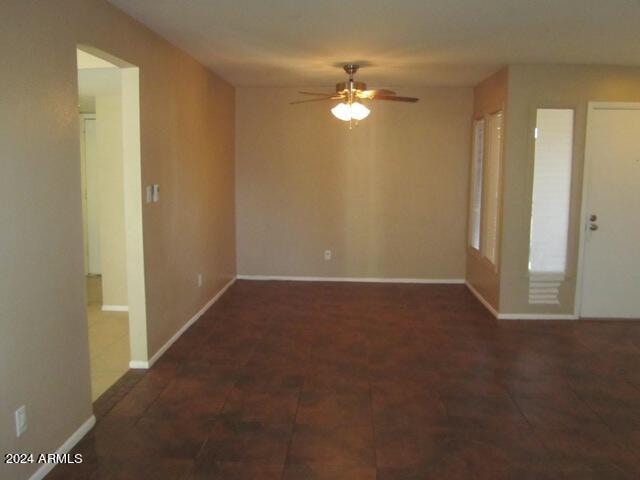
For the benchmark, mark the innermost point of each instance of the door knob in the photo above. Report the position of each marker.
(593, 227)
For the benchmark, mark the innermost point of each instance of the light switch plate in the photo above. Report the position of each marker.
(21, 420)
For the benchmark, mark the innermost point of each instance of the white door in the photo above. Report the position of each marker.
(91, 192)
(611, 259)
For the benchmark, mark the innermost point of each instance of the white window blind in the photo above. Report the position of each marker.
(551, 191)
(475, 207)
(491, 198)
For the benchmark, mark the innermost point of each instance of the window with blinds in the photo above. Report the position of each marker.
(551, 191)
(492, 191)
(475, 206)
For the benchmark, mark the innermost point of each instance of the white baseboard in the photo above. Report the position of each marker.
(482, 300)
(139, 364)
(178, 334)
(520, 316)
(537, 316)
(353, 279)
(115, 308)
(65, 447)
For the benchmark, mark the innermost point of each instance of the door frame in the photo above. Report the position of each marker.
(586, 175)
(132, 173)
(83, 160)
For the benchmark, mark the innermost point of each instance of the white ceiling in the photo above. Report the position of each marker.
(404, 42)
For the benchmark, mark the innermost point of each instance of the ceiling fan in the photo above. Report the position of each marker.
(351, 93)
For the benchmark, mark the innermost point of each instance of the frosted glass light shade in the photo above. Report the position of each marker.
(346, 112)
(359, 111)
(342, 112)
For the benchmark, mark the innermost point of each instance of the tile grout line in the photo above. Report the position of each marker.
(367, 334)
(224, 404)
(599, 416)
(295, 415)
(373, 425)
(586, 404)
(293, 426)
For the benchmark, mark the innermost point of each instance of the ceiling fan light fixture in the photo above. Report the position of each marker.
(347, 112)
(349, 92)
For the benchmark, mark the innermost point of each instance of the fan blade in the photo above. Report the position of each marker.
(315, 100)
(394, 98)
(316, 93)
(371, 93)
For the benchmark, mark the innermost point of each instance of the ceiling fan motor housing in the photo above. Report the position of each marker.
(343, 87)
(351, 69)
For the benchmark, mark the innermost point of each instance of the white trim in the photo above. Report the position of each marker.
(178, 334)
(132, 184)
(519, 316)
(115, 308)
(139, 364)
(352, 279)
(65, 447)
(482, 300)
(586, 171)
(537, 316)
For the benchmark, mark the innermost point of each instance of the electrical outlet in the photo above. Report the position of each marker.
(199, 280)
(327, 255)
(21, 420)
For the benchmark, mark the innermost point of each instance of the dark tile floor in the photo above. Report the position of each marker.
(368, 381)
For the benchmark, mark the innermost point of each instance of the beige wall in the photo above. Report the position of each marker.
(187, 129)
(388, 197)
(532, 87)
(111, 185)
(489, 97)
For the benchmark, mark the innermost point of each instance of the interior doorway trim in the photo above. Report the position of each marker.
(586, 172)
(132, 178)
(84, 117)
